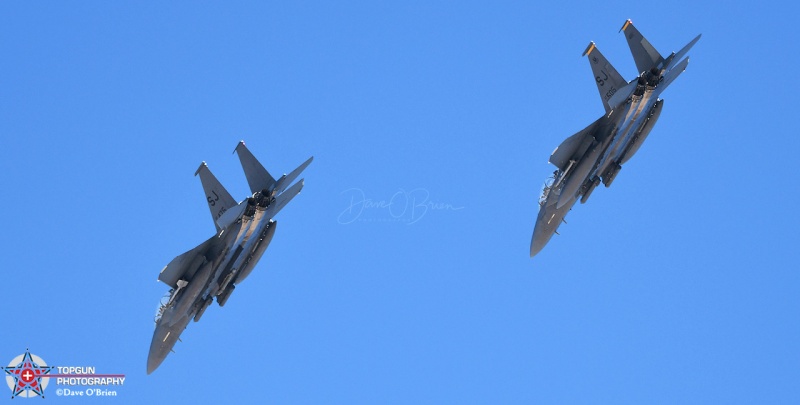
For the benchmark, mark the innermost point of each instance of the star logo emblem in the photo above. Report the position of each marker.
(24, 375)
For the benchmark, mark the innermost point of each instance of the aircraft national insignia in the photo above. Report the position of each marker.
(24, 375)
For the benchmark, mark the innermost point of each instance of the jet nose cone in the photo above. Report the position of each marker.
(155, 358)
(538, 241)
(546, 224)
(158, 348)
(536, 247)
(164, 339)
(153, 363)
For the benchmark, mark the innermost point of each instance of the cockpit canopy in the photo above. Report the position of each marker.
(162, 305)
(548, 185)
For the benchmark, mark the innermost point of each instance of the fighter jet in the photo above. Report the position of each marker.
(218, 265)
(596, 153)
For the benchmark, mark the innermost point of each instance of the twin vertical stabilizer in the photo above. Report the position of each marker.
(645, 54)
(612, 86)
(609, 81)
(260, 181)
(257, 176)
(218, 198)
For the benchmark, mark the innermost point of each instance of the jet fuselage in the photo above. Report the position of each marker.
(626, 127)
(596, 154)
(213, 268)
(242, 243)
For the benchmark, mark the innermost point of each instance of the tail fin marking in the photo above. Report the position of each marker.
(609, 81)
(218, 198)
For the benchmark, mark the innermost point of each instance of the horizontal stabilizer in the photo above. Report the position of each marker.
(184, 266)
(232, 215)
(257, 176)
(674, 59)
(622, 95)
(672, 75)
(644, 54)
(218, 198)
(287, 179)
(282, 199)
(609, 81)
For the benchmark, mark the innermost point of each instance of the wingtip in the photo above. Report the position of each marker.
(627, 23)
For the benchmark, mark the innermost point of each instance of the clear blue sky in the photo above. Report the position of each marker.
(679, 284)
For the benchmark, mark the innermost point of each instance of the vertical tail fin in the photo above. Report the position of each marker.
(219, 200)
(257, 176)
(644, 54)
(609, 81)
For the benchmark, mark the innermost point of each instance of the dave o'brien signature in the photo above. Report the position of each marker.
(405, 206)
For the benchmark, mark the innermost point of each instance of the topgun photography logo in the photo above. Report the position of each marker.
(24, 375)
(27, 375)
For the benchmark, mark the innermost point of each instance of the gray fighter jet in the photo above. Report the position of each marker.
(216, 266)
(596, 153)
